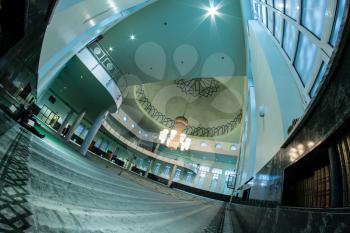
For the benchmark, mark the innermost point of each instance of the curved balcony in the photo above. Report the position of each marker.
(180, 163)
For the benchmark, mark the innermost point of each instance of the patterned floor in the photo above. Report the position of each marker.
(47, 187)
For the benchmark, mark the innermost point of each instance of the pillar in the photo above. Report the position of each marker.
(335, 177)
(149, 167)
(65, 122)
(75, 126)
(92, 132)
(172, 175)
(156, 149)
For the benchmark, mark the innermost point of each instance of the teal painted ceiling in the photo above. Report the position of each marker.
(177, 39)
(77, 87)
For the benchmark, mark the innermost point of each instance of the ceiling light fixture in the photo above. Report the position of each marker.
(175, 138)
(132, 37)
(213, 11)
(110, 49)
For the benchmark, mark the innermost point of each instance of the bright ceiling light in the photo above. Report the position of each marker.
(110, 48)
(213, 11)
(132, 37)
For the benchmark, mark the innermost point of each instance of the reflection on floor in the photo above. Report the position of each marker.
(48, 187)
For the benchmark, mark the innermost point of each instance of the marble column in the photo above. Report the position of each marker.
(75, 126)
(172, 175)
(335, 177)
(65, 122)
(92, 132)
(149, 167)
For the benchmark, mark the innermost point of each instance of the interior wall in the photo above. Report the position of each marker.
(59, 107)
(276, 93)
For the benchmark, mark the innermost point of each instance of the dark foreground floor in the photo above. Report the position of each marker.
(48, 187)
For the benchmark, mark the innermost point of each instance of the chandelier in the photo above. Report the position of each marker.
(175, 138)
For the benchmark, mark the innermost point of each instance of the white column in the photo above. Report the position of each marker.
(92, 132)
(149, 167)
(65, 122)
(75, 126)
(156, 149)
(171, 178)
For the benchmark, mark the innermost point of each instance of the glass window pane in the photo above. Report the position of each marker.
(305, 57)
(288, 38)
(292, 8)
(104, 145)
(313, 15)
(98, 142)
(318, 80)
(264, 15)
(337, 22)
(278, 27)
(269, 2)
(270, 21)
(79, 130)
(279, 5)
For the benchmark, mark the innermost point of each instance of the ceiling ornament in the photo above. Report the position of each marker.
(105, 60)
(198, 87)
(176, 138)
(168, 122)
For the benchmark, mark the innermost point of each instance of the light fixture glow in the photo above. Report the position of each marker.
(110, 49)
(212, 11)
(233, 148)
(132, 37)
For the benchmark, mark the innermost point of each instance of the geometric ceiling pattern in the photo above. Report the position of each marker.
(198, 131)
(198, 87)
(216, 117)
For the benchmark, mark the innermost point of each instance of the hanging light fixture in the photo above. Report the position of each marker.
(175, 138)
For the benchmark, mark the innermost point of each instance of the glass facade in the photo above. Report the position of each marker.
(305, 57)
(306, 33)
(313, 15)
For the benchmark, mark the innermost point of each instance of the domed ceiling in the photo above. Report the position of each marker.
(213, 106)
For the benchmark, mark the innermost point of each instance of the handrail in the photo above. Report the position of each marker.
(179, 163)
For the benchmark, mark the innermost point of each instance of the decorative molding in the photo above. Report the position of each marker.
(198, 87)
(168, 122)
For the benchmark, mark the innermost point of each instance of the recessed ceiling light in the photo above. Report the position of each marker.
(132, 125)
(140, 132)
(218, 146)
(132, 37)
(146, 135)
(233, 148)
(125, 119)
(110, 49)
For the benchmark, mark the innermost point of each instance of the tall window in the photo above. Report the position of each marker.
(177, 175)
(156, 169)
(166, 171)
(307, 31)
(189, 177)
(214, 181)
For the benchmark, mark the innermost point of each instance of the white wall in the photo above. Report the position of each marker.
(73, 25)
(275, 90)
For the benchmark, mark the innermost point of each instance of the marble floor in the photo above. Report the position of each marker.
(48, 187)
